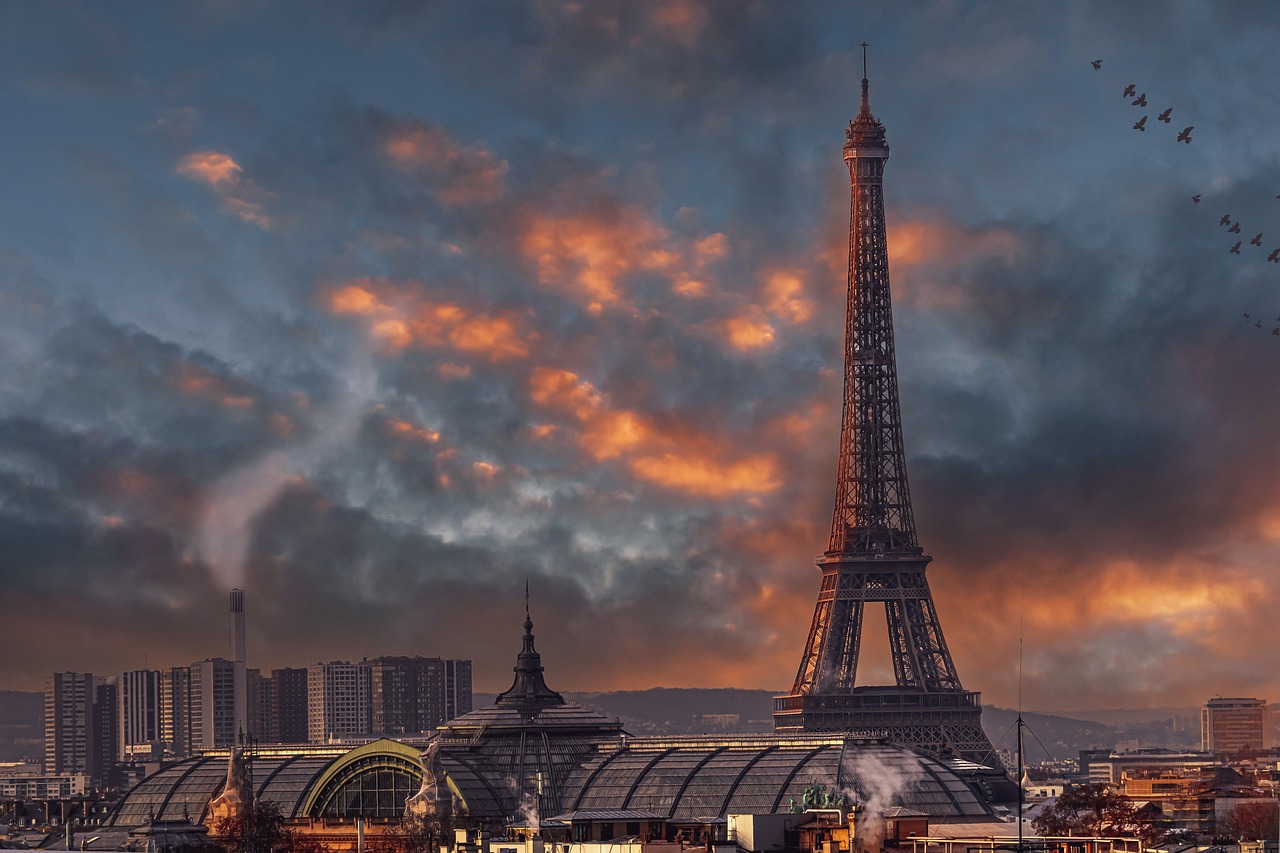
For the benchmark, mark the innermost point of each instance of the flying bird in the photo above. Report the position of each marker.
(1185, 136)
(1234, 229)
(1164, 116)
(1235, 250)
(1138, 125)
(1225, 220)
(1256, 241)
(1275, 331)
(1274, 258)
(1258, 325)
(1097, 63)
(1140, 101)
(1196, 198)
(1129, 90)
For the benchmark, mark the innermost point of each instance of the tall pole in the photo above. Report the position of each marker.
(1021, 792)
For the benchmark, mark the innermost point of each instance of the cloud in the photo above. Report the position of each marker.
(600, 251)
(668, 455)
(400, 315)
(239, 195)
(464, 174)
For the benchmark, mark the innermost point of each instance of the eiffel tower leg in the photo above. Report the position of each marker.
(840, 673)
(902, 645)
(937, 669)
(831, 652)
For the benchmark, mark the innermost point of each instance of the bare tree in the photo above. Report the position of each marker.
(1095, 810)
(261, 828)
(1251, 821)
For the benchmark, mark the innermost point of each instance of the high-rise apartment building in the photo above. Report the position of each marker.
(212, 702)
(288, 706)
(415, 694)
(337, 700)
(1229, 726)
(139, 699)
(68, 723)
(457, 688)
(261, 711)
(175, 710)
(106, 734)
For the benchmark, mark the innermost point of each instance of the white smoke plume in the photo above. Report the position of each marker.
(874, 786)
(235, 502)
(529, 811)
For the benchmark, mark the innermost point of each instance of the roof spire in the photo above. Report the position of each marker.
(866, 102)
(529, 691)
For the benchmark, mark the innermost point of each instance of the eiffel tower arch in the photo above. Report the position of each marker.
(873, 554)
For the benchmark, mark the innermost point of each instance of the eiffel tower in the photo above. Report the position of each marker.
(873, 554)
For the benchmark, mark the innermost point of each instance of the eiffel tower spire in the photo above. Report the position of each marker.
(873, 554)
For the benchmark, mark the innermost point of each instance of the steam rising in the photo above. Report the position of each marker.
(529, 811)
(236, 501)
(875, 786)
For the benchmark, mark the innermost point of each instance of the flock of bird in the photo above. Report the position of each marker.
(1233, 227)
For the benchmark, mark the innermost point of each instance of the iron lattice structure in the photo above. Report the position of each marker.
(873, 554)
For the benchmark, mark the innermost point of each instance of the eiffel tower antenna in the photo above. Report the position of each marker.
(865, 84)
(873, 554)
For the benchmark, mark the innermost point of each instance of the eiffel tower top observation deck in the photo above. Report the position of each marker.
(873, 554)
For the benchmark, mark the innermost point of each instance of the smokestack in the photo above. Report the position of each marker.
(237, 658)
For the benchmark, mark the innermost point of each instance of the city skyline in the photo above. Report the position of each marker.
(378, 312)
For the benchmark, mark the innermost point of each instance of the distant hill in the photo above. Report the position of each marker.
(664, 710)
(21, 725)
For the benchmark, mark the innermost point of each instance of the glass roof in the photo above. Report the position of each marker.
(689, 777)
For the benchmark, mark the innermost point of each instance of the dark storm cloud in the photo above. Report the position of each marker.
(387, 316)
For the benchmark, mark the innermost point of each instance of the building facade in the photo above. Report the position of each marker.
(1230, 726)
(410, 695)
(212, 703)
(68, 723)
(288, 718)
(139, 700)
(338, 700)
(175, 710)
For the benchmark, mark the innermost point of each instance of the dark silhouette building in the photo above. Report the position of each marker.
(873, 554)
(288, 706)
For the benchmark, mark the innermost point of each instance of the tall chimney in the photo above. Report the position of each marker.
(237, 658)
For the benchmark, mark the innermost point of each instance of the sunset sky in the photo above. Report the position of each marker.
(381, 309)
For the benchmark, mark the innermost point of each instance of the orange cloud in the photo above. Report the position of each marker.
(681, 21)
(748, 332)
(610, 434)
(224, 176)
(412, 430)
(401, 317)
(785, 296)
(588, 255)
(585, 255)
(210, 167)
(563, 390)
(710, 477)
(922, 250)
(466, 174)
(660, 457)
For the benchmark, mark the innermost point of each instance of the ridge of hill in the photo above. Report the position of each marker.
(669, 711)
